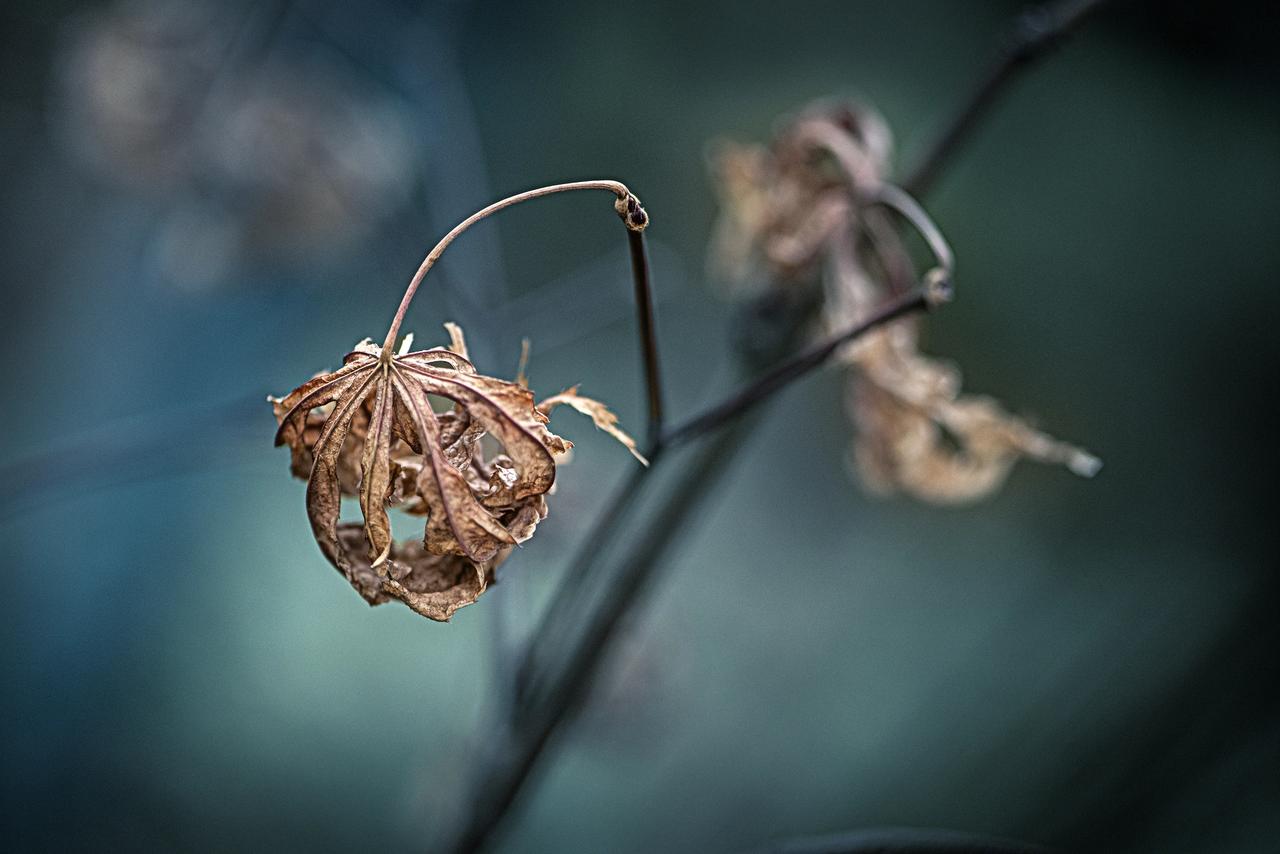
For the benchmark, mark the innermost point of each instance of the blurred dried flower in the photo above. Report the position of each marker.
(133, 77)
(800, 211)
(314, 159)
(370, 430)
(255, 151)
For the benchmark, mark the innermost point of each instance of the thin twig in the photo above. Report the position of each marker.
(1037, 31)
(648, 333)
(802, 363)
(903, 840)
(624, 207)
(492, 800)
(556, 621)
(550, 629)
(937, 288)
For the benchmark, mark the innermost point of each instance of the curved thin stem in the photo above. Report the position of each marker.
(1036, 32)
(924, 297)
(616, 187)
(897, 199)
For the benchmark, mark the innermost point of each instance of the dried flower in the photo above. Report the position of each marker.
(804, 210)
(370, 430)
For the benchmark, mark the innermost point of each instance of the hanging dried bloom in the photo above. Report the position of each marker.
(812, 207)
(286, 157)
(370, 430)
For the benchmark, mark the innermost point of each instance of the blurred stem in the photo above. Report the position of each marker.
(1036, 32)
(935, 291)
(923, 297)
(904, 840)
(571, 593)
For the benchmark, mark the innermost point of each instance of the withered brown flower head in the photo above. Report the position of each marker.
(807, 211)
(370, 430)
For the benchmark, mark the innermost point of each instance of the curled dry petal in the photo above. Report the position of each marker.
(376, 468)
(598, 412)
(951, 452)
(457, 340)
(916, 432)
(433, 585)
(457, 523)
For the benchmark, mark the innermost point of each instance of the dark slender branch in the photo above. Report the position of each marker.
(904, 840)
(1038, 30)
(570, 589)
(648, 333)
(797, 366)
(543, 701)
(557, 620)
(550, 630)
(626, 206)
(550, 700)
(567, 689)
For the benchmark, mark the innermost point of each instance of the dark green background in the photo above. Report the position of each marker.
(1090, 664)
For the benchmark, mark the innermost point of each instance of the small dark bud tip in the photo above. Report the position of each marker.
(633, 215)
(938, 288)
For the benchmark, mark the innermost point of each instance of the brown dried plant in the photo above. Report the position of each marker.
(370, 430)
(812, 206)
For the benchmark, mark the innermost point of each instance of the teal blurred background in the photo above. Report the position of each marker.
(206, 203)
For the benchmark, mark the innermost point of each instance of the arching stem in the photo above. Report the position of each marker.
(627, 206)
(899, 200)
